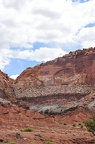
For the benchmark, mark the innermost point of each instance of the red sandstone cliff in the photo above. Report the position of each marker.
(74, 68)
(66, 81)
(6, 87)
(65, 85)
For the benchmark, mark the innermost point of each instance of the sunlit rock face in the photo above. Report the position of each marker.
(58, 85)
(75, 68)
(6, 87)
(65, 81)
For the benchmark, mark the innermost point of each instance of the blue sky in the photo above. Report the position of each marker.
(36, 31)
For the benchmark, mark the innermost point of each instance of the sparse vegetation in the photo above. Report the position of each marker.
(50, 143)
(13, 143)
(74, 125)
(65, 124)
(38, 135)
(90, 125)
(16, 143)
(18, 135)
(81, 126)
(30, 143)
(27, 130)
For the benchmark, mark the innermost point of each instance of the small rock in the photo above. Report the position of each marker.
(25, 138)
(6, 141)
(18, 135)
(1, 140)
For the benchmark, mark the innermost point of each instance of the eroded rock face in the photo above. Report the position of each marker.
(67, 82)
(59, 76)
(72, 74)
(75, 68)
(6, 87)
(63, 89)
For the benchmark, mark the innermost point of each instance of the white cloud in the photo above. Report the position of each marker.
(3, 62)
(87, 37)
(14, 76)
(24, 22)
(41, 54)
(45, 54)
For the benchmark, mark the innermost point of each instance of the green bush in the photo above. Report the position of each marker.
(81, 126)
(90, 125)
(9, 143)
(12, 143)
(27, 130)
(50, 143)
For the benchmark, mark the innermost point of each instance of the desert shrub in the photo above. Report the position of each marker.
(30, 143)
(27, 130)
(81, 126)
(90, 125)
(74, 125)
(18, 135)
(12, 143)
(9, 143)
(50, 142)
(65, 124)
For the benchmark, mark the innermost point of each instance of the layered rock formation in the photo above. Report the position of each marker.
(65, 81)
(74, 68)
(55, 86)
(64, 86)
(6, 88)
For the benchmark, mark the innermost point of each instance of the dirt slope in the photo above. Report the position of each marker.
(62, 129)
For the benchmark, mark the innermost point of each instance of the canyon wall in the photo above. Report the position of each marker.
(6, 87)
(72, 73)
(71, 76)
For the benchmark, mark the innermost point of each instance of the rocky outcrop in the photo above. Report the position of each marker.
(6, 87)
(22, 91)
(74, 68)
(70, 75)
(62, 89)
(55, 86)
